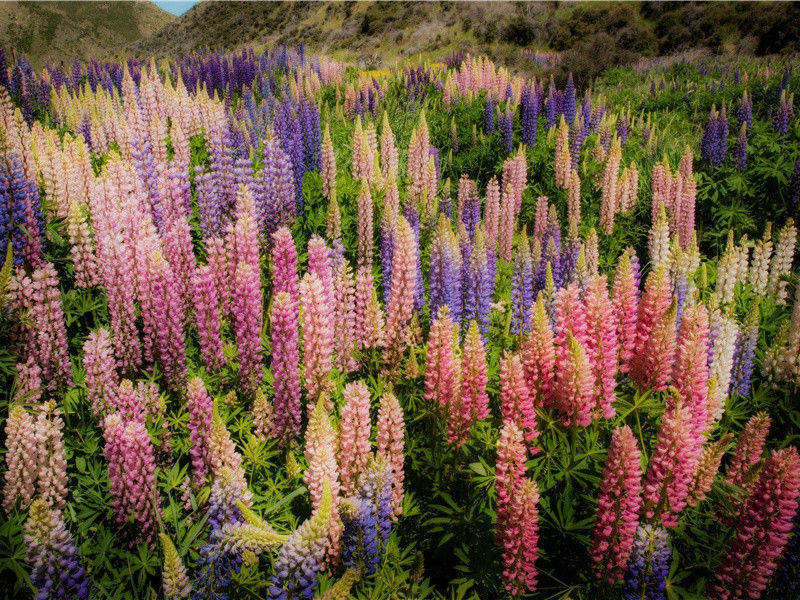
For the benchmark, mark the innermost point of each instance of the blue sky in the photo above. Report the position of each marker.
(176, 7)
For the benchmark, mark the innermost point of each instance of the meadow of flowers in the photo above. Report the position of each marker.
(277, 327)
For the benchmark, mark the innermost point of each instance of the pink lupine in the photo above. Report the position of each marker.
(328, 165)
(199, 405)
(127, 402)
(491, 216)
(177, 236)
(672, 465)
(369, 322)
(570, 317)
(538, 356)
(443, 370)
(248, 324)
(244, 235)
(87, 270)
(743, 465)
(625, 299)
(365, 226)
(652, 310)
(29, 382)
(602, 339)
(690, 373)
(474, 375)
(131, 474)
(509, 473)
(102, 379)
(707, 468)
(51, 479)
(574, 396)
(205, 301)
(390, 442)
(22, 455)
(617, 506)
(317, 328)
(404, 277)
(284, 322)
(168, 315)
(319, 262)
(344, 317)
(389, 160)
(284, 265)
(507, 224)
(516, 401)
(225, 460)
(44, 330)
(763, 531)
(220, 272)
(355, 430)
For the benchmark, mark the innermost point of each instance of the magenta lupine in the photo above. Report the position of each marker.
(218, 264)
(743, 466)
(617, 506)
(317, 329)
(131, 474)
(516, 401)
(538, 356)
(21, 459)
(284, 322)
(390, 440)
(625, 299)
(443, 371)
(102, 379)
(44, 331)
(248, 323)
(205, 301)
(200, 406)
(355, 429)
(763, 530)
(284, 265)
(603, 343)
(652, 316)
(690, 373)
(672, 465)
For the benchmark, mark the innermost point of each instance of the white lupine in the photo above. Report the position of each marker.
(722, 353)
(781, 262)
(759, 266)
(659, 240)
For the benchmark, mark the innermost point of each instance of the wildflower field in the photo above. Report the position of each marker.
(276, 327)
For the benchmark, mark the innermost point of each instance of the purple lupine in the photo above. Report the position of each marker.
(794, 186)
(507, 123)
(387, 251)
(529, 115)
(488, 115)
(740, 149)
(784, 114)
(648, 566)
(521, 287)
(551, 106)
(568, 100)
(744, 113)
(744, 355)
(24, 223)
(445, 272)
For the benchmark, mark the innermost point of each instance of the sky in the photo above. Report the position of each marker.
(176, 7)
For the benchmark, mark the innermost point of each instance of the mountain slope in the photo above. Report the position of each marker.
(58, 30)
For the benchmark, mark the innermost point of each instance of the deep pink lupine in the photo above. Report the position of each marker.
(101, 379)
(521, 545)
(474, 375)
(570, 317)
(344, 317)
(617, 506)
(284, 322)
(509, 473)
(205, 301)
(602, 340)
(284, 265)
(317, 328)
(764, 528)
(516, 401)
(491, 215)
(21, 459)
(390, 440)
(690, 373)
(404, 278)
(538, 356)
(649, 359)
(44, 330)
(625, 299)
(355, 429)
(365, 226)
(248, 323)
(443, 369)
(742, 468)
(672, 465)
(199, 405)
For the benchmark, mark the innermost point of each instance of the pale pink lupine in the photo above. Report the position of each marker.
(51, 478)
(102, 379)
(390, 441)
(284, 322)
(617, 506)
(354, 433)
(22, 456)
(87, 270)
(365, 226)
(344, 317)
(491, 216)
(318, 340)
(248, 323)
(205, 302)
(369, 321)
(401, 298)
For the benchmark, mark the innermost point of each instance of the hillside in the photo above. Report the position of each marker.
(591, 36)
(58, 30)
